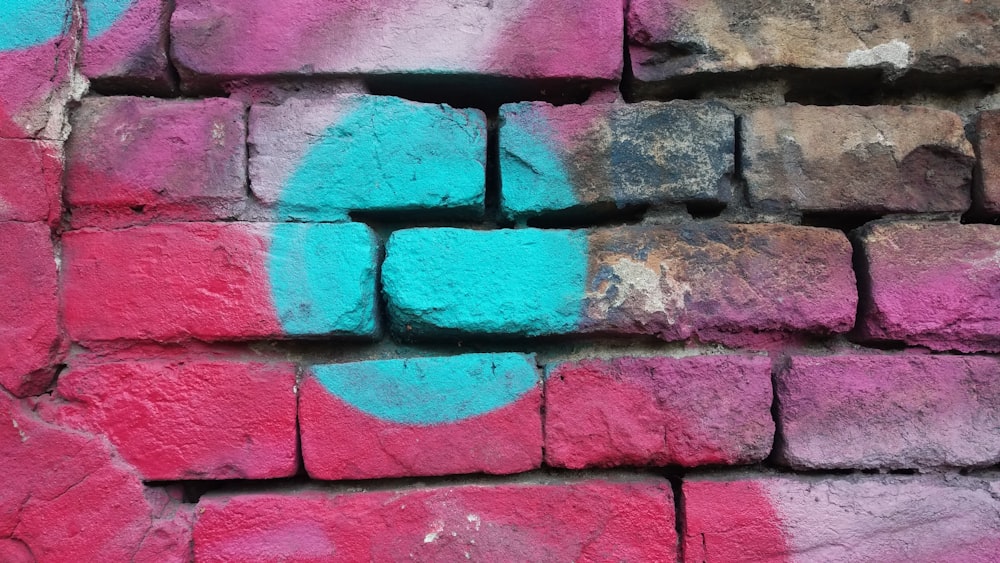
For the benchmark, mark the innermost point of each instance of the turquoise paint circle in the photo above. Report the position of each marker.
(428, 391)
(27, 23)
(102, 14)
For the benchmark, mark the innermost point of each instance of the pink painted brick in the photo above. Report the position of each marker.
(473, 413)
(189, 419)
(988, 187)
(223, 39)
(933, 284)
(67, 497)
(583, 521)
(866, 518)
(36, 64)
(30, 180)
(219, 281)
(658, 411)
(135, 160)
(31, 341)
(126, 49)
(889, 412)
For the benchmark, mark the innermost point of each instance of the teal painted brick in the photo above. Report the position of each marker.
(323, 278)
(523, 282)
(320, 161)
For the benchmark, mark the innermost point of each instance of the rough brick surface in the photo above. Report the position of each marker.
(672, 39)
(189, 419)
(889, 412)
(319, 161)
(729, 283)
(988, 129)
(658, 411)
(605, 156)
(475, 413)
(30, 180)
(67, 498)
(125, 45)
(933, 284)
(586, 521)
(868, 518)
(36, 58)
(850, 158)
(212, 281)
(518, 38)
(31, 341)
(135, 160)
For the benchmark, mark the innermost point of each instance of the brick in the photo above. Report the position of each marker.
(738, 284)
(219, 281)
(862, 518)
(889, 412)
(125, 45)
(877, 159)
(988, 144)
(422, 416)
(933, 284)
(30, 180)
(518, 39)
(582, 521)
(658, 411)
(31, 342)
(36, 61)
(136, 160)
(319, 161)
(668, 40)
(66, 497)
(189, 419)
(606, 156)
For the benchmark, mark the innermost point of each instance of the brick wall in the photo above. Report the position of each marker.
(376, 280)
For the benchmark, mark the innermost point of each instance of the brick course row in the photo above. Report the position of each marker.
(192, 418)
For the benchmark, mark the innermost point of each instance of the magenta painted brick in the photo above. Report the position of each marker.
(474, 413)
(125, 45)
(67, 497)
(219, 281)
(658, 411)
(36, 62)
(516, 38)
(865, 518)
(189, 419)
(581, 521)
(30, 180)
(136, 160)
(31, 341)
(933, 284)
(889, 412)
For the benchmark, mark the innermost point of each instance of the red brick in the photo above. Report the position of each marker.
(422, 416)
(843, 519)
(658, 411)
(135, 160)
(31, 341)
(585, 521)
(988, 187)
(30, 180)
(189, 419)
(889, 412)
(66, 497)
(219, 281)
(933, 284)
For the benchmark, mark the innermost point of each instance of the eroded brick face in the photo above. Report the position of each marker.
(353, 280)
